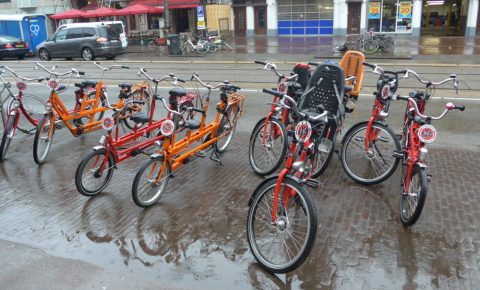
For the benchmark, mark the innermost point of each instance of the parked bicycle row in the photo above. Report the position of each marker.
(130, 127)
(297, 136)
(300, 131)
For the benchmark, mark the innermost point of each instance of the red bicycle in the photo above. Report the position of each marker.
(269, 142)
(282, 219)
(30, 106)
(95, 170)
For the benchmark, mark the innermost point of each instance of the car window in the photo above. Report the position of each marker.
(117, 27)
(75, 33)
(61, 35)
(7, 38)
(107, 32)
(89, 31)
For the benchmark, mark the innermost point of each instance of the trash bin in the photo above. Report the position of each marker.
(174, 46)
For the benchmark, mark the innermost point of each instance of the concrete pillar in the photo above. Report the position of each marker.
(250, 21)
(232, 20)
(340, 17)
(272, 18)
(471, 28)
(364, 16)
(417, 17)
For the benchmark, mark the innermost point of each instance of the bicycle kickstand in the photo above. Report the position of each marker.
(215, 157)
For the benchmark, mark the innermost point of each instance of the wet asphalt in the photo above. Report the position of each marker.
(194, 238)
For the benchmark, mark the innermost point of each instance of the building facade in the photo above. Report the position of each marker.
(341, 17)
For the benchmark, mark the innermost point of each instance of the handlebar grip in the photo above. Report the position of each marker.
(124, 66)
(137, 102)
(273, 92)
(261, 62)
(313, 63)
(460, 107)
(236, 88)
(144, 69)
(181, 80)
(402, 98)
(197, 110)
(368, 64)
(402, 72)
(81, 73)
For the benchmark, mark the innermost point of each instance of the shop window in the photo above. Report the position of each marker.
(305, 17)
(390, 16)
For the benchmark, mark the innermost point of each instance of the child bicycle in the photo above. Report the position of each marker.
(151, 180)
(370, 150)
(86, 108)
(16, 107)
(95, 171)
(282, 219)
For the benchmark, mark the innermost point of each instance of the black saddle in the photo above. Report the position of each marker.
(192, 124)
(125, 85)
(140, 118)
(177, 92)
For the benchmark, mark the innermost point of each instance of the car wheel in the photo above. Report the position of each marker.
(87, 54)
(43, 54)
(21, 56)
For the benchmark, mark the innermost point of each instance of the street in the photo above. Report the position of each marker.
(194, 238)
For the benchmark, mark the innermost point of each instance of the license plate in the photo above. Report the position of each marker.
(20, 45)
(114, 40)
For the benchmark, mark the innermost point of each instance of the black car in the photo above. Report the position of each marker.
(87, 42)
(12, 47)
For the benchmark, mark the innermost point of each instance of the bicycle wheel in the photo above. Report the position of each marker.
(7, 135)
(413, 198)
(35, 108)
(268, 146)
(151, 45)
(131, 109)
(379, 162)
(89, 180)
(370, 46)
(145, 190)
(282, 246)
(228, 123)
(324, 148)
(43, 139)
(103, 103)
(387, 44)
(212, 47)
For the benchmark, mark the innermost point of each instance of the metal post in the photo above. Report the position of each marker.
(166, 14)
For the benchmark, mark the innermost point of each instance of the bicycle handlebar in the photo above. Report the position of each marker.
(452, 77)
(169, 77)
(111, 67)
(273, 67)
(293, 106)
(448, 107)
(40, 79)
(225, 84)
(51, 72)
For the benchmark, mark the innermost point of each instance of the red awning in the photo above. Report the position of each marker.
(100, 12)
(138, 9)
(172, 4)
(69, 14)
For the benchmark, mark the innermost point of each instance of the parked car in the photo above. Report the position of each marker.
(87, 42)
(12, 47)
(117, 26)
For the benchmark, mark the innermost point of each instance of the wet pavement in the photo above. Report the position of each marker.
(194, 238)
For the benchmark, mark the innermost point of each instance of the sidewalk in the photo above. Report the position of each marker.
(426, 49)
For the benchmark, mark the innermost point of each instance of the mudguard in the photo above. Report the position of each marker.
(358, 124)
(296, 179)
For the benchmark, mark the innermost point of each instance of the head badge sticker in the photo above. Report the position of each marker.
(427, 133)
(167, 128)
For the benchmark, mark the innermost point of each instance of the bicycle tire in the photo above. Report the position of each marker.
(321, 158)
(287, 219)
(370, 46)
(160, 188)
(128, 111)
(7, 135)
(228, 123)
(276, 128)
(151, 45)
(79, 173)
(354, 167)
(43, 127)
(410, 219)
(35, 111)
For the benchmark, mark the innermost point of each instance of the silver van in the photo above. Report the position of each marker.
(117, 26)
(87, 42)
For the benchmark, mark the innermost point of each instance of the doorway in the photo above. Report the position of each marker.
(354, 15)
(240, 21)
(260, 20)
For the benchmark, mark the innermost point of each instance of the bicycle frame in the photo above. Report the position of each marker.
(181, 147)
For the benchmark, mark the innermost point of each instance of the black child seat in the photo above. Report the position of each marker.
(325, 91)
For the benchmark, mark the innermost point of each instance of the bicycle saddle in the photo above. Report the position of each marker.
(177, 92)
(140, 118)
(192, 124)
(125, 85)
(85, 84)
(347, 89)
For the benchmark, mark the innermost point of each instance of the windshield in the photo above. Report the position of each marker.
(7, 38)
(108, 33)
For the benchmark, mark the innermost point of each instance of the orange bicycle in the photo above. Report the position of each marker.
(151, 179)
(86, 109)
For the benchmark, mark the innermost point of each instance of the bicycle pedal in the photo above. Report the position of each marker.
(312, 183)
(397, 154)
(201, 154)
(216, 159)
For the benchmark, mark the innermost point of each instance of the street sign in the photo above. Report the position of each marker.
(201, 25)
(200, 13)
